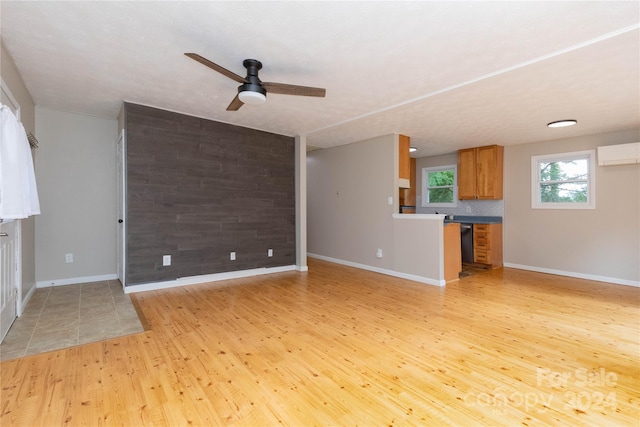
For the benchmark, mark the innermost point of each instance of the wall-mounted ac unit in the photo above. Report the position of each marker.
(619, 154)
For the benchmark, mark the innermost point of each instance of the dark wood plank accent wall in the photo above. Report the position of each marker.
(199, 189)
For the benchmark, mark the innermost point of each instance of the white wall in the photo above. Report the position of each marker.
(419, 249)
(76, 172)
(602, 244)
(348, 215)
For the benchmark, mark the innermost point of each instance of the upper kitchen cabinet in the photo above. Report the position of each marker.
(404, 162)
(480, 173)
(408, 195)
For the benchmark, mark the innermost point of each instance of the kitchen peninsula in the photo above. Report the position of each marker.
(427, 249)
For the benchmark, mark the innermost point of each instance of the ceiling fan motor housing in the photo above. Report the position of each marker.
(250, 87)
(253, 81)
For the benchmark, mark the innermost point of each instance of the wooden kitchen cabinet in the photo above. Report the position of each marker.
(480, 172)
(411, 191)
(408, 195)
(452, 252)
(487, 244)
(404, 161)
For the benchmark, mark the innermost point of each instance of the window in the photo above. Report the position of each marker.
(563, 181)
(439, 187)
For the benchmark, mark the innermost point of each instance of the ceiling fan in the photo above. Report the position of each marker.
(253, 90)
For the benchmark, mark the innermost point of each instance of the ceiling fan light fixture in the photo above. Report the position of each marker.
(562, 123)
(252, 94)
(251, 98)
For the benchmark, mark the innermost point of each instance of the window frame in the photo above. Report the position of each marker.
(589, 155)
(425, 186)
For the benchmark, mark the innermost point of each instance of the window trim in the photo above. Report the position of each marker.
(425, 186)
(590, 155)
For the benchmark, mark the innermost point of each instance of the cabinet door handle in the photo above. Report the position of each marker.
(4, 235)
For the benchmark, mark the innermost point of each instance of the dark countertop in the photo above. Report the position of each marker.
(468, 219)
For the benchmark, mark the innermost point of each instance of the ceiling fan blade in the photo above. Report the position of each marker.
(285, 89)
(235, 104)
(216, 67)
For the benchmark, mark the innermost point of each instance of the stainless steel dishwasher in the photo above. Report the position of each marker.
(466, 239)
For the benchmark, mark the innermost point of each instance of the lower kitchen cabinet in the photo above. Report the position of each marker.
(487, 244)
(452, 254)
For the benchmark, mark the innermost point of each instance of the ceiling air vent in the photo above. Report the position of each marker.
(619, 154)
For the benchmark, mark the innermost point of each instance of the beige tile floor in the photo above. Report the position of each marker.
(64, 316)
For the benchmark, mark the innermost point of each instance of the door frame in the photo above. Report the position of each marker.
(121, 208)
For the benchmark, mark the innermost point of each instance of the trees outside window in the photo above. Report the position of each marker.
(439, 187)
(563, 181)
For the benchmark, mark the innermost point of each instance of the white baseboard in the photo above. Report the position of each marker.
(393, 273)
(574, 274)
(75, 280)
(26, 298)
(206, 278)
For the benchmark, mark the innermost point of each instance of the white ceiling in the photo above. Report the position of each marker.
(448, 74)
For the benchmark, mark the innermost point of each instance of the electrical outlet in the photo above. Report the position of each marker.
(379, 253)
(468, 209)
(68, 258)
(270, 252)
(232, 256)
(166, 260)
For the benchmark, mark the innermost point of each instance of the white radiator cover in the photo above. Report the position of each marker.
(620, 154)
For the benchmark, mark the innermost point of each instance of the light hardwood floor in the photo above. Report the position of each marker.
(341, 346)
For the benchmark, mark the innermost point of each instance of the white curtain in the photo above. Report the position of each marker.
(18, 192)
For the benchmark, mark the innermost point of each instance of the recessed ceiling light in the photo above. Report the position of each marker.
(412, 149)
(562, 123)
